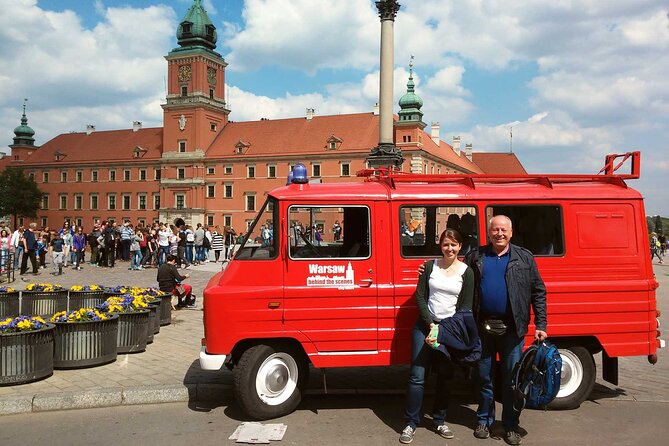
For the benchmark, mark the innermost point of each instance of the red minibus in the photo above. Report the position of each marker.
(326, 273)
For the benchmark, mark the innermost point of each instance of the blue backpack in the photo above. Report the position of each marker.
(536, 377)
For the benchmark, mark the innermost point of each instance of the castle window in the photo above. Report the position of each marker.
(182, 146)
(250, 171)
(315, 170)
(184, 90)
(181, 173)
(126, 175)
(94, 176)
(142, 174)
(228, 169)
(63, 176)
(156, 174)
(78, 201)
(211, 170)
(345, 169)
(212, 126)
(126, 201)
(111, 202)
(186, 28)
(271, 171)
(141, 202)
(228, 190)
(211, 93)
(180, 201)
(112, 175)
(62, 205)
(78, 175)
(45, 201)
(45, 177)
(156, 201)
(211, 189)
(94, 202)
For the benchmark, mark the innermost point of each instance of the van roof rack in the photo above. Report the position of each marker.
(606, 175)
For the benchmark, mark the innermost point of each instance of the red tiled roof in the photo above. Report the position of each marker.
(113, 145)
(500, 163)
(357, 132)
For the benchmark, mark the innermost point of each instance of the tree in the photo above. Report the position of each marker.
(658, 224)
(19, 194)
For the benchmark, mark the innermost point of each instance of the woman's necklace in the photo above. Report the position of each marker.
(449, 268)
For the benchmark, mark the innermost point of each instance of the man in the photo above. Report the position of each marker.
(507, 281)
(169, 281)
(56, 248)
(127, 234)
(199, 241)
(29, 248)
(17, 243)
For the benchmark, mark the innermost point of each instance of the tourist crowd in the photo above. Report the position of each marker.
(106, 242)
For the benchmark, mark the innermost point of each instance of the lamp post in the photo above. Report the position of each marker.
(386, 154)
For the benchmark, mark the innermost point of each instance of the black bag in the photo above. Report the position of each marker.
(495, 327)
(206, 243)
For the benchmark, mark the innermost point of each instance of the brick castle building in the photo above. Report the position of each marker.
(202, 168)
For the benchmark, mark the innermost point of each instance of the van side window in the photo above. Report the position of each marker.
(328, 232)
(538, 228)
(260, 241)
(421, 226)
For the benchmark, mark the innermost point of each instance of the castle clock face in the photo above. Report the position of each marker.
(211, 75)
(184, 73)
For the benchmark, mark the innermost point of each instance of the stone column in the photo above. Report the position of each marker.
(386, 154)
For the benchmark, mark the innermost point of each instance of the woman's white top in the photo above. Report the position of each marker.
(444, 291)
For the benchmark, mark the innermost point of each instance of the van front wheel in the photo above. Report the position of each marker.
(577, 379)
(268, 381)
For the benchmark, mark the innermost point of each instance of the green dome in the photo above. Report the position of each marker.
(196, 29)
(24, 133)
(410, 102)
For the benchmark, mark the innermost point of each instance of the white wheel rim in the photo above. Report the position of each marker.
(276, 379)
(572, 373)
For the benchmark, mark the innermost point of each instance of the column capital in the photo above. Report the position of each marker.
(387, 9)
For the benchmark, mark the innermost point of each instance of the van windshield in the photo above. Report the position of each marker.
(260, 240)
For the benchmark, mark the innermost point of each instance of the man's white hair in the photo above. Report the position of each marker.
(500, 216)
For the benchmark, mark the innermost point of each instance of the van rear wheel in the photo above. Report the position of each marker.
(269, 381)
(577, 378)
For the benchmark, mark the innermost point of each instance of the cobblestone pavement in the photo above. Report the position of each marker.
(169, 369)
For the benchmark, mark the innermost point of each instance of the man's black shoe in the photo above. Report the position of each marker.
(512, 438)
(481, 431)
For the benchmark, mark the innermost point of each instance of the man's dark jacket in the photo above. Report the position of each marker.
(523, 283)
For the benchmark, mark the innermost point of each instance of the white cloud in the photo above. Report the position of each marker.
(305, 34)
(74, 76)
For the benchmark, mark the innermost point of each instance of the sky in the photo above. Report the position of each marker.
(573, 79)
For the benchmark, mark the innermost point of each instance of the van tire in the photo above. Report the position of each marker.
(577, 380)
(269, 381)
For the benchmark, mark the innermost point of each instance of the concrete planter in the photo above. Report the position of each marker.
(9, 304)
(154, 319)
(165, 308)
(85, 344)
(156, 322)
(26, 356)
(45, 304)
(85, 299)
(133, 331)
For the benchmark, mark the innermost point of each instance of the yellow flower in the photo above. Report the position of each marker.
(77, 288)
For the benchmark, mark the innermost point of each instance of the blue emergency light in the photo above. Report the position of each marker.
(299, 174)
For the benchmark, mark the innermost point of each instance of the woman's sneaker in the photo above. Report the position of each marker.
(444, 431)
(407, 435)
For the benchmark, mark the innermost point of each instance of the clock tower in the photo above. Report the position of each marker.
(194, 114)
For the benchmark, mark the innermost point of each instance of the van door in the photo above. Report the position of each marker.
(330, 278)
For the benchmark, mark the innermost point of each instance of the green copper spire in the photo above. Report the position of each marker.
(196, 29)
(410, 103)
(24, 134)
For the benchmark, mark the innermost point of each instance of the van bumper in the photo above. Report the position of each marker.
(211, 362)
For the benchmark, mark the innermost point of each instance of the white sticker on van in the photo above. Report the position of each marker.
(331, 276)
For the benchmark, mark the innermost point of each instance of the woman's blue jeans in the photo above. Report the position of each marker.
(510, 349)
(423, 357)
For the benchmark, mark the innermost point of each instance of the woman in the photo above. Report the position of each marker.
(135, 251)
(655, 248)
(68, 239)
(164, 234)
(217, 242)
(446, 285)
(5, 245)
(79, 246)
